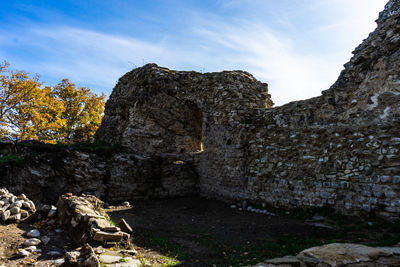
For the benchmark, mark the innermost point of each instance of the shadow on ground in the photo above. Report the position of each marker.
(201, 232)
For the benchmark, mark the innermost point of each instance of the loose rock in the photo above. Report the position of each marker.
(52, 212)
(33, 233)
(23, 253)
(45, 239)
(32, 242)
(125, 227)
(31, 249)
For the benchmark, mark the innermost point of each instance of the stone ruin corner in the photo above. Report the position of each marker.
(216, 134)
(338, 150)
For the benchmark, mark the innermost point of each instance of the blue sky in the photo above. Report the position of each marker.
(297, 46)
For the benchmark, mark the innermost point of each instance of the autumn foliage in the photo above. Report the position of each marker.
(60, 114)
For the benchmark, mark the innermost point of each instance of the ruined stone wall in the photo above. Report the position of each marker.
(44, 172)
(340, 149)
(216, 133)
(154, 110)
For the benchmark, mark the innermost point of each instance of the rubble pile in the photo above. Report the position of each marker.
(84, 218)
(15, 208)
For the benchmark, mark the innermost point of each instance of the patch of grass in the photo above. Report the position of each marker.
(390, 231)
(257, 252)
(168, 261)
(103, 264)
(172, 253)
(123, 259)
(112, 222)
(117, 246)
(141, 259)
(10, 158)
(373, 232)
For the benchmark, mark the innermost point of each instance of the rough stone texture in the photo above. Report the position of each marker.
(85, 220)
(125, 227)
(340, 254)
(340, 149)
(154, 109)
(47, 171)
(14, 208)
(84, 258)
(217, 132)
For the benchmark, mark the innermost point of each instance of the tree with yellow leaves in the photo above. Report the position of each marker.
(62, 114)
(83, 112)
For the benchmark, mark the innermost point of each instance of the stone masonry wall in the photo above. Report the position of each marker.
(217, 134)
(340, 149)
(45, 172)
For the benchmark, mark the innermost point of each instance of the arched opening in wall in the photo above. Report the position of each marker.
(190, 137)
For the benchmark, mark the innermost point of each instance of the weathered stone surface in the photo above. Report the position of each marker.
(24, 214)
(340, 254)
(85, 220)
(31, 249)
(84, 258)
(72, 256)
(290, 261)
(45, 239)
(216, 133)
(111, 229)
(391, 250)
(5, 215)
(130, 263)
(23, 253)
(52, 212)
(109, 258)
(32, 242)
(12, 208)
(33, 233)
(154, 109)
(125, 227)
(108, 236)
(131, 252)
(338, 150)
(113, 177)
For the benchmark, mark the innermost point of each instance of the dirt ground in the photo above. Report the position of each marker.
(198, 232)
(205, 229)
(12, 237)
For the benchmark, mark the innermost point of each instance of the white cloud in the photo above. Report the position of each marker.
(284, 59)
(272, 58)
(87, 56)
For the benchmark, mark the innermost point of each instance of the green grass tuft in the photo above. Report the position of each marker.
(123, 259)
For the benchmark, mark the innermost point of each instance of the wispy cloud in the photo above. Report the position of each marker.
(85, 56)
(271, 58)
